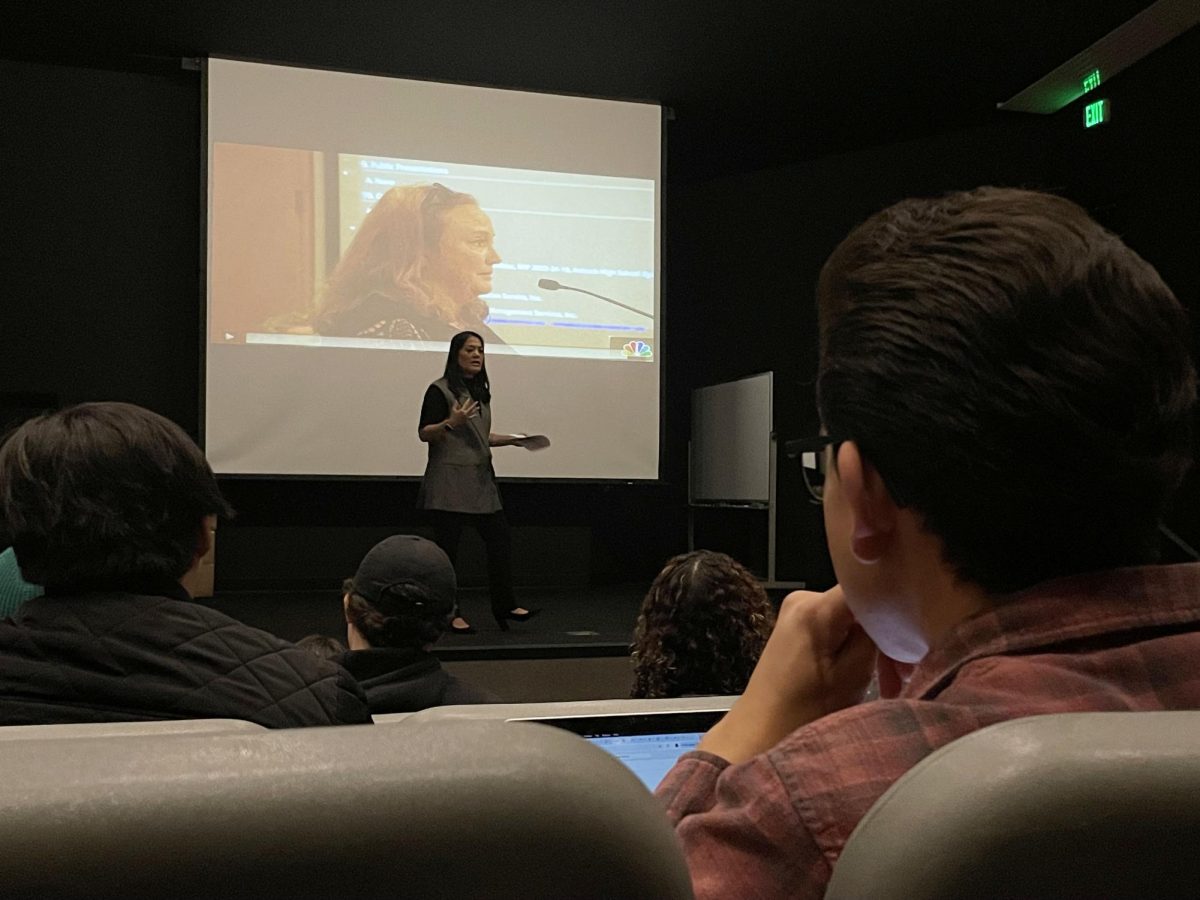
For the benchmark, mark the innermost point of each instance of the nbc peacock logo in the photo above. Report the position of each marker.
(637, 350)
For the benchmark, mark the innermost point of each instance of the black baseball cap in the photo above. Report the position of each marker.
(406, 559)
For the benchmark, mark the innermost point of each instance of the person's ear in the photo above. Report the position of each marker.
(873, 512)
(205, 536)
(346, 606)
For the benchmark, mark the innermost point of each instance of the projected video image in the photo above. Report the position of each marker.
(356, 223)
(409, 252)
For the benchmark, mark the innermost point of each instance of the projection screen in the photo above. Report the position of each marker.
(335, 199)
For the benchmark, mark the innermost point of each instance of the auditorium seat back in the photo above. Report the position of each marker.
(436, 809)
(564, 708)
(1073, 805)
(126, 729)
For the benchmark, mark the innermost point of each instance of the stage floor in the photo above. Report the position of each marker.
(588, 621)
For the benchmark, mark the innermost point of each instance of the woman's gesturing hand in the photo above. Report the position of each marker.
(460, 412)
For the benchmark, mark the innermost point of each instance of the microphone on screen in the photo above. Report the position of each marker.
(549, 284)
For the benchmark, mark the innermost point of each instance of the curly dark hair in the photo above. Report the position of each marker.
(701, 628)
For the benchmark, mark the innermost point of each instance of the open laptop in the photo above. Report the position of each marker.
(648, 743)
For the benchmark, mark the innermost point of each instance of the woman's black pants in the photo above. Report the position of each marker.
(493, 528)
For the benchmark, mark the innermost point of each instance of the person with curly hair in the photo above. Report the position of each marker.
(701, 628)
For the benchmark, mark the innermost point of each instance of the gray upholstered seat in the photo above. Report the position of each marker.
(1077, 805)
(438, 809)
(564, 709)
(126, 729)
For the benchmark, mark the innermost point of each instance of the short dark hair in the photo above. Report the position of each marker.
(103, 495)
(701, 628)
(322, 646)
(1017, 375)
(406, 615)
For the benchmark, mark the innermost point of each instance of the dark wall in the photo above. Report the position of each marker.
(749, 247)
(101, 207)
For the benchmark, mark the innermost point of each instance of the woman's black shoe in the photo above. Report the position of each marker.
(470, 629)
(503, 617)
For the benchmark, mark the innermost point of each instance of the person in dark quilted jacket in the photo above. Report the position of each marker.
(110, 508)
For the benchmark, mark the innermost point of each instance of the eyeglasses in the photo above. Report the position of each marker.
(814, 461)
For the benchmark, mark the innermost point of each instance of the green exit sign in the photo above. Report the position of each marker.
(1091, 81)
(1096, 113)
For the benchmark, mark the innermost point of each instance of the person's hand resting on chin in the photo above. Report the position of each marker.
(818, 660)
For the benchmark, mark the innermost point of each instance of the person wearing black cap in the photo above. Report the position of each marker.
(398, 604)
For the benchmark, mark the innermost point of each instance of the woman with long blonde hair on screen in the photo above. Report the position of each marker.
(415, 269)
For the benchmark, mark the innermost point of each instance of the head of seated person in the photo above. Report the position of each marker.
(111, 508)
(322, 646)
(701, 628)
(1010, 394)
(107, 495)
(401, 596)
(397, 605)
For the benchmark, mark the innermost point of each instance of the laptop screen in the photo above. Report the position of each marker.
(650, 756)
(648, 743)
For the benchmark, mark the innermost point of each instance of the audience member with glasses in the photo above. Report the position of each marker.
(1007, 393)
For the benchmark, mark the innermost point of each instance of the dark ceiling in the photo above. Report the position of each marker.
(751, 84)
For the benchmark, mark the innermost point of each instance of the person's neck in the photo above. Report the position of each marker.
(947, 601)
(929, 596)
(354, 638)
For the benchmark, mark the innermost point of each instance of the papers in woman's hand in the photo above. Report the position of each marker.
(533, 441)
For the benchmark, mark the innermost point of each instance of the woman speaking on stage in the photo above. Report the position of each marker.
(459, 486)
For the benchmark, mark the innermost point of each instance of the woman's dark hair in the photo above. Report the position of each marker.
(701, 628)
(104, 495)
(1016, 374)
(404, 615)
(478, 387)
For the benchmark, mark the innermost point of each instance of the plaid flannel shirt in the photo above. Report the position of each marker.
(774, 826)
